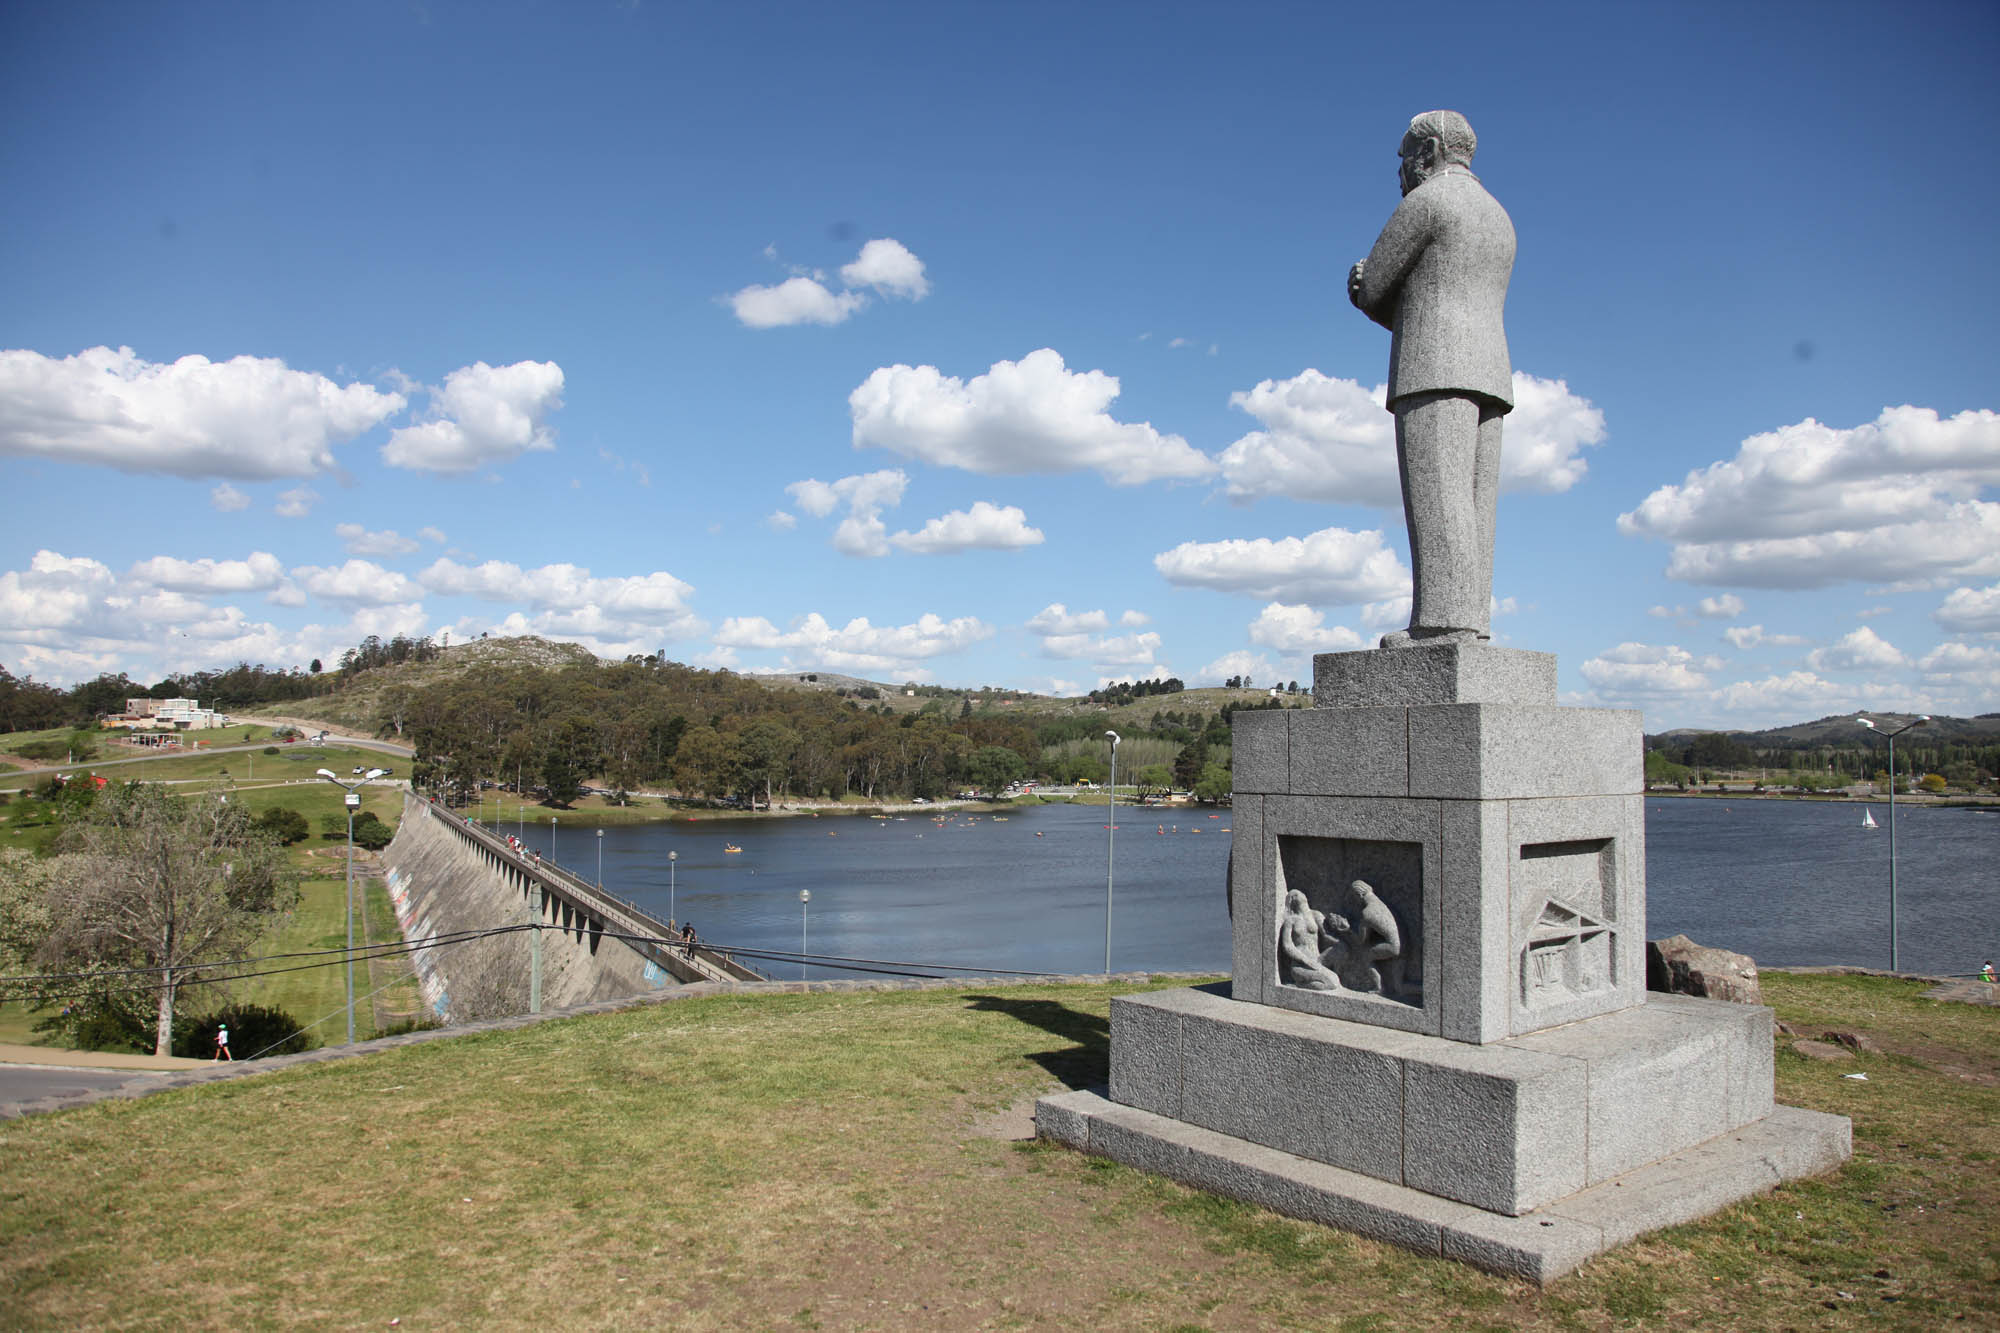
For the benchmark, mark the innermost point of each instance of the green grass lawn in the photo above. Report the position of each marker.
(318, 997)
(825, 1161)
(257, 780)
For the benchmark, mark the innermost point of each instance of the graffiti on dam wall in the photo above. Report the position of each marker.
(430, 974)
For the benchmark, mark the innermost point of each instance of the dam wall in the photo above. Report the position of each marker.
(446, 877)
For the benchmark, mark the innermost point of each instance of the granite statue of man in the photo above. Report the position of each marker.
(1437, 280)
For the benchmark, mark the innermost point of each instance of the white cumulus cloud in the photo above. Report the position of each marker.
(1644, 671)
(358, 582)
(1031, 415)
(799, 300)
(984, 527)
(360, 541)
(1331, 567)
(1330, 439)
(297, 502)
(1858, 650)
(481, 415)
(885, 266)
(1981, 661)
(888, 266)
(261, 572)
(227, 499)
(858, 645)
(1081, 636)
(558, 586)
(1292, 630)
(1746, 637)
(1970, 610)
(862, 533)
(1810, 505)
(248, 418)
(1251, 666)
(1055, 618)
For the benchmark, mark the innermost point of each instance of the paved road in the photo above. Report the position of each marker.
(24, 1083)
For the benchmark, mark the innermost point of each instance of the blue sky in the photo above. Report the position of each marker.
(992, 344)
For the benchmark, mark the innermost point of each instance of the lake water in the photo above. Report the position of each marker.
(1791, 883)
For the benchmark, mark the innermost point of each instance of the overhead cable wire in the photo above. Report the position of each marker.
(135, 988)
(229, 962)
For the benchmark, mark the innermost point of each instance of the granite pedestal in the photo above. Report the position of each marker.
(1437, 893)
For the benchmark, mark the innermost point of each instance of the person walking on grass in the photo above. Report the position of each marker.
(1986, 971)
(222, 1043)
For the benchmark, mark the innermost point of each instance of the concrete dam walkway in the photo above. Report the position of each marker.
(447, 876)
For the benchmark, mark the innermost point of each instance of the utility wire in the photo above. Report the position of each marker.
(218, 962)
(377, 951)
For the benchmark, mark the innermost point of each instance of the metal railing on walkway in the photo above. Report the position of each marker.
(645, 933)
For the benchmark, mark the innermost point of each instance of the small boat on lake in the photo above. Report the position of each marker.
(730, 849)
(1868, 819)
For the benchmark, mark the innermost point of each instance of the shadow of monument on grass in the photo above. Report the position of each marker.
(1087, 1064)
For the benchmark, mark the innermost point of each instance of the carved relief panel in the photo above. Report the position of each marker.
(1351, 917)
(1569, 948)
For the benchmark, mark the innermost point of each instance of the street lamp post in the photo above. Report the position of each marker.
(1891, 735)
(353, 802)
(600, 858)
(805, 896)
(552, 839)
(1110, 850)
(673, 859)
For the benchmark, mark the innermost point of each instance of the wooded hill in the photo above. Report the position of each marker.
(551, 718)
(1965, 751)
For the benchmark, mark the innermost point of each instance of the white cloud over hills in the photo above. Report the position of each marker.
(856, 646)
(1894, 500)
(247, 419)
(482, 415)
(1331, 567)
(1034, 415)
(256, 419)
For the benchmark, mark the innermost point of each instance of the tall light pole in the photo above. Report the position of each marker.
(673, 858)
(552, 839)
(600, 858)
(353, 802)
(805, 896)
(1110, 851)
(1922, 719)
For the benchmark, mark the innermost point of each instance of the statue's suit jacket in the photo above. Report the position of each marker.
(1437, 278)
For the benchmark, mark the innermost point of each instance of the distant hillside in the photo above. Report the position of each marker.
(986, 701)
(357, 703)
(1843, 731)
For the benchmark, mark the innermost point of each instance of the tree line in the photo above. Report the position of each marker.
(27, 704)
(650, 724)
(1959, 762)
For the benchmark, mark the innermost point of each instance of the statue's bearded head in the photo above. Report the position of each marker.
(1434, 141)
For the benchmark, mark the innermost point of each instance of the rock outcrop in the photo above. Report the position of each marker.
(1679, 966)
